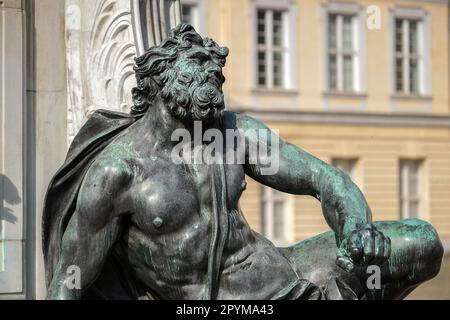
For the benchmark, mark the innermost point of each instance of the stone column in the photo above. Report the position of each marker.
(12, 153)
(46, 125)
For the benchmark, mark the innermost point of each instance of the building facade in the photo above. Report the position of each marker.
(363, 85)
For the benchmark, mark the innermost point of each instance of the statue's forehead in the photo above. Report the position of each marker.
(195, 49)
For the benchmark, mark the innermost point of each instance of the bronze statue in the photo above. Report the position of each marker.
(138, 225)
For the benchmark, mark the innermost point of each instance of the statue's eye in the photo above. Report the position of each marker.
(200, 57)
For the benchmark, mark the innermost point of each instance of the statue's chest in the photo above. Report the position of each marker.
(168, 197)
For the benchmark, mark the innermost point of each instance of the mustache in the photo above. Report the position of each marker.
(198, 78)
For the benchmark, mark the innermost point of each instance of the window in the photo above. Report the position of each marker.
(410, 193)
(407, 56)
(346, 165)
(272, 48)
(187, 14)
(276, 216)
(411, 52)
(342, 53)
(194, 13)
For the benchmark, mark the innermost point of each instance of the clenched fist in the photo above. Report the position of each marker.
(365, 246)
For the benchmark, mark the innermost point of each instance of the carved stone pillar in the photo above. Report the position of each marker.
(102, 39)
(152, 21)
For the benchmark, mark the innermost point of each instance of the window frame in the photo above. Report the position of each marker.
(424, 46)
(269, 48)
(269, 197)
(405, 197)
(406, 56)
(289, 18)
(359, 81)
(340, 53)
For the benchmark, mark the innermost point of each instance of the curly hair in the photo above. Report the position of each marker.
(151, 65)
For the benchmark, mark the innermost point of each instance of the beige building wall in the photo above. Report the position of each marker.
(377, 171)
(374, 126)
(231, 23)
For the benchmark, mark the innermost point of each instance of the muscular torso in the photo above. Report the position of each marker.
(169, 232)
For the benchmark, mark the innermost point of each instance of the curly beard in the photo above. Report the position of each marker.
(193, 97)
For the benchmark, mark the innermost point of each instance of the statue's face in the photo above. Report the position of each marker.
(195, 86)
(198, 60)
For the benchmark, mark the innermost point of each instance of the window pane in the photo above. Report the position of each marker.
(413, 38)
(278, 219)
(261, 26)
(261, 80)
(332, 31)
(398, 35)
(277, 69)
(261, 38)
(404, 173)
(414, 209)
(332, 65)
(347, 33)
(414, 180)
(410, 188)
(186, 14)
(413, 76)
(261, 16)
(348, 73)
(277, 28)
(399, 74)
(261, 68)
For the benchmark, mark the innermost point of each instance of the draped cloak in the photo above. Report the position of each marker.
(60, 201)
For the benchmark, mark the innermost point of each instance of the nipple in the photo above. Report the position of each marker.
(157, 222)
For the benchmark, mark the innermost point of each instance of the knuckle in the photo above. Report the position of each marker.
(369, 253)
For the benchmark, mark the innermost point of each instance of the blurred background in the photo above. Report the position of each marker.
(363, 85)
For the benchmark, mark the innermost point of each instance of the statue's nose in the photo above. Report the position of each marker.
(215, 70)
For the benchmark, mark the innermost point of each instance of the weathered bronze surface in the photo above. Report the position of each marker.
(139, 225)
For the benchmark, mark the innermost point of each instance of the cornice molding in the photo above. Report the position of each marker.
(349, 118)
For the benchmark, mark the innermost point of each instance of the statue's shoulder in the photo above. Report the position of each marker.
(233, 120)
(113, 163)
(236, 120)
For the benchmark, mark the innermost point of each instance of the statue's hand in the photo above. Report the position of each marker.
(365, 246)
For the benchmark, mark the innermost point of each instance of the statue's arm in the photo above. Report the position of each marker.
(298, 172)
(91, 233)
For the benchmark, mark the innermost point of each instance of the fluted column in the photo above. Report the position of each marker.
(152, 21)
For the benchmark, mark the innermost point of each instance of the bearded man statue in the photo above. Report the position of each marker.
(136, 224)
